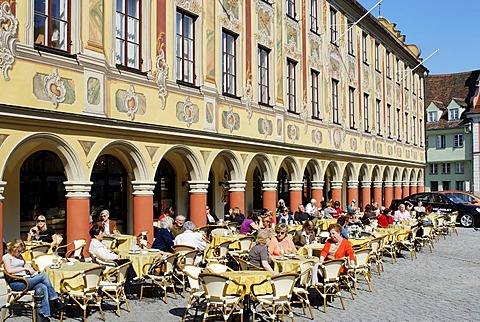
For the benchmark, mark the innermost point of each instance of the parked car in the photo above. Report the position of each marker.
(468, 213)
(464, 195)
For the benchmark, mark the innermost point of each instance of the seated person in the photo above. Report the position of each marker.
(258, 254)
(281, 242)
(342, 221)
(301, 215)
(110, 226)
(164, 237)
(191, 237)
(252, 223)
(337, 246)
(284, 217)
(14, 264)
(177, 227)
(306, 236)
(401, 214)
(385, 218)
(237, 216)
(267, 221)
(105, 256)
(42, 232)
(329, 211)
(352, 224)
(369, 214)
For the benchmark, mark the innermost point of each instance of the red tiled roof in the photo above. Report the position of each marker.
(445, 87)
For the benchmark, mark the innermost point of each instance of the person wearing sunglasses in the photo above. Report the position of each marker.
(42, 232)
(285, 216)
(110, 226)
(281, 244)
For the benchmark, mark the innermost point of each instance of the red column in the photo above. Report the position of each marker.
(420, 187)
(237, 194)
(397, 190)
(78, 212)
(377, 192)
(352, 191)
(405, 190)
(317, 191)
(269, 197)
(413, 188)
(296, 189)
(143, 208)
(336, 191)
(388, 194)
(198, 202)
(366, 194)
(2, 187)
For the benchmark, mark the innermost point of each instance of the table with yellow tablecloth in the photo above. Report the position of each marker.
(28, 245)
(316, 249)
(124, 241)
(324, 223)
(57, 274)
(140, 259)
(359, 241)
(290, 264)
(232, 238)
(248, 278)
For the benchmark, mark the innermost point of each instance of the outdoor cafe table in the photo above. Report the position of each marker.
(217, 240)
(141, 258)
(316, 249)
(124, 242)
(359, 241)
(285, 264)
(325, 223)
(247, 278)
(28, 245)
(67, 270)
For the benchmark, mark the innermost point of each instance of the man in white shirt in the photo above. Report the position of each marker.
(191, 237)
(311, 208)
(401, 214)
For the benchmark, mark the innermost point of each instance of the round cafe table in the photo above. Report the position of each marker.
(316, 249)
(28, 245)
(291, 263)
(217, 240)
(248, 278)
(57, 274)
(140, 259)
(124, 241)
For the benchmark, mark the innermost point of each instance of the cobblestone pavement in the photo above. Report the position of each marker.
(439, 286)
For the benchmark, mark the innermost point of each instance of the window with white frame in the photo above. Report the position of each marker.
(441, 142)
(229, 64)
(52, 24)
(377, 56)
(366, 118)
(313, 15)
(291, 88)
(315, 93)
(433, 168)
(433, 116)
(351, 107)
(406, 128)
(290, 7)
(185, 48)
(446, 168)
(414, 129)
(445, 185)
(420, 132)
(378, 116)
(459, 167)
(460, 185)
(263, 76)
(453, 114)
(365, 48)
(351, 38)
(333, 26)
(335, 116)
(388, 64)
(389, 120)
(128, 34)
(458, 140)
(397, 125)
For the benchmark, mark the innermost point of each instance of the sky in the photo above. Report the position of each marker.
(448, 25)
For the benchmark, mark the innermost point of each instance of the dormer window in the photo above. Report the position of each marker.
(432, 116)
(453, 114)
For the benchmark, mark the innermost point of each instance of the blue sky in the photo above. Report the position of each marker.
(431, 24)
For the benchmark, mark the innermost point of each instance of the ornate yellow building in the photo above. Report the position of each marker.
(139, 105)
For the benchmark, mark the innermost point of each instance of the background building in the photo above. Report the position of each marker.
(449, 131)
(117, 104)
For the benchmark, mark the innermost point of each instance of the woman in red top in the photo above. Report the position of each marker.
(337, 246)
(385, 218)
(338, 208)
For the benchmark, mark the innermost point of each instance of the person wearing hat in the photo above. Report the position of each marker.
(352, 209)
